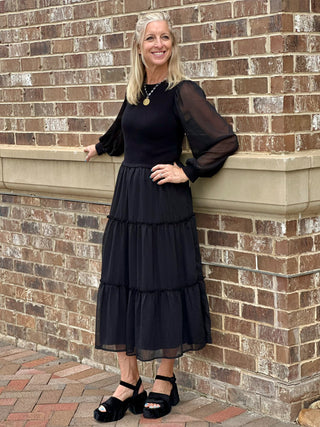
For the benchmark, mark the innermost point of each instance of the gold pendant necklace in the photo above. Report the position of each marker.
(146, 101)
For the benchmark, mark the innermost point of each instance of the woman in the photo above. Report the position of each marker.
(151, 300)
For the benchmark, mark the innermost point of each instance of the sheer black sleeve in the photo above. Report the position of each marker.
(112, 141)
(210, 137)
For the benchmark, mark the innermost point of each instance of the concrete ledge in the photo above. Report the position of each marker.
(248, 183)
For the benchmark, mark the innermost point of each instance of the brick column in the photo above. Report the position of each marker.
(262, 268)
(63, 75)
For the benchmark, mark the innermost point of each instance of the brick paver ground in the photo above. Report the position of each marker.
(38, 390)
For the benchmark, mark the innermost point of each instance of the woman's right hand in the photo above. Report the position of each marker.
(91, 150)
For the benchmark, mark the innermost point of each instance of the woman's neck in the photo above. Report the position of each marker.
(155, 76)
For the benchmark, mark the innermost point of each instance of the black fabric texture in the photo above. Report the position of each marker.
(151, 300)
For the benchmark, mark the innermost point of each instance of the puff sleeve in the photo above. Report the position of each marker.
(210, 137)
(112, 141)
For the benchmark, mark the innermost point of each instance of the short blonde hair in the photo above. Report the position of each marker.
(137, 73)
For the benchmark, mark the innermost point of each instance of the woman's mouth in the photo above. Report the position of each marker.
(158, 53)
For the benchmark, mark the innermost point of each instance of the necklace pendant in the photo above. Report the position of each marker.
(146, 102)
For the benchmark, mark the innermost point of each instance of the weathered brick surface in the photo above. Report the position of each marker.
(60, 62)
(50, 298)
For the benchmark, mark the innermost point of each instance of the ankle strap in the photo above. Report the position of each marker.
(135, 388)
(171, 380)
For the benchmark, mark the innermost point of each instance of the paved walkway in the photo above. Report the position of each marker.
(38, 390)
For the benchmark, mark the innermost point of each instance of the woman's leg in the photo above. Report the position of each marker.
(129, 373)
(159, 386)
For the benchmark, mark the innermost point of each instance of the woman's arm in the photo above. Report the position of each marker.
(210, 137)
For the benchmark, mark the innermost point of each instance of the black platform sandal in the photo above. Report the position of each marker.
(116, 408)
(163, 400)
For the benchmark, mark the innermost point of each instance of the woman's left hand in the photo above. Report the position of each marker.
(162, 174)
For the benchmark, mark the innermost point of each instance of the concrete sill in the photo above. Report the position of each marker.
(249, 182)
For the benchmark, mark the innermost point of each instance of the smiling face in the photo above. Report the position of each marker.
(156, 46)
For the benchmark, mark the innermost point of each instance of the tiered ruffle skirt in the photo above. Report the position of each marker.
(151, 300)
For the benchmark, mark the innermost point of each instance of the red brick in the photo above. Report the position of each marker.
(223, 273)
(309, 262)
(215, 12)
(296, 6)
(124, 23)
(77, 93)
(25, 139)
(249, 8)
(62, 46)
(252, 124)
(219, 305)
(67, 140)
(10, 65)
(212, 352)
(271, 24)
(54, 94)
(65, 247)
(306, 103)
(232, 67)
(233, 105)
(256, 244)
(240, 360)
(115, 75)
(231, 29)
(274, 335)
(259, 385)
(258, 314)
(238, 293)
(270, 228)
(217, 87)
(92, 109)
(184, 16)
(289, 301)
(210, 255)
(291, 123)
(110, 7)
(294, 246)
(217, 238)
(310, 368)
(215, 49)
(225, 375)
(315, 6)
(297, 318)
(272, 264)
(308, 142)
(75, 61)
(250, 46)
(74, 29)
(78, 125)
(197, 33)
(243, 327)
(85, 11)
(267, 298)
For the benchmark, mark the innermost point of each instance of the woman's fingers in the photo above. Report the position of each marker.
(163, 174)
(91, 150)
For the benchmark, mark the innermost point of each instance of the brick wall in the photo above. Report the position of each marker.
(65, 66)
(63, 72)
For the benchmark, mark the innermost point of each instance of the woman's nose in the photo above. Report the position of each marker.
(158, 41)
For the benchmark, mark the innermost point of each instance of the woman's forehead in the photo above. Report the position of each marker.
(157, 27)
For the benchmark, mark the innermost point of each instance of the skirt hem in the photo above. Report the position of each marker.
(141, 359)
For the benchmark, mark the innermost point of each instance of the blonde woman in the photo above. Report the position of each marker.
(151, 301)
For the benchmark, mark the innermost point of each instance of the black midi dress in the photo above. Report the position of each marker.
(151, 300)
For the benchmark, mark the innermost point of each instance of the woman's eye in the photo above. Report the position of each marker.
(165, 37)
(149, 38)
